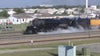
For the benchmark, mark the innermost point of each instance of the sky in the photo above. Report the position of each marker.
(29, 3)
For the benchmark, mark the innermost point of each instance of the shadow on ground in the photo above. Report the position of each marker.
(53, 54)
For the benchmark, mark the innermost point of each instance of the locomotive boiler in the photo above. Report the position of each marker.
(48, 24)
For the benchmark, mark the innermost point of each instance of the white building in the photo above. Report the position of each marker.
(92, 11)
(49, 10)
(3, 20)
(16, 19)
(60, 11)
(45, 5)
(94, 7)
(52, 11)
(20, 18)
(42, 11)
(69, 11)
(29, 10)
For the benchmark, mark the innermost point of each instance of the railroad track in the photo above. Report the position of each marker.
(48, 38)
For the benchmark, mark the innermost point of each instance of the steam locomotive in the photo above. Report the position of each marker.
(48, 24)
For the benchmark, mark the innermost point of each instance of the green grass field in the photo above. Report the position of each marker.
(52, 52)
(33, 53)
(15, 28)
(55, 44)
(39, 53)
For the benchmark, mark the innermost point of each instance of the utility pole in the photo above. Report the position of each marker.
(86, 4)
(86, 7)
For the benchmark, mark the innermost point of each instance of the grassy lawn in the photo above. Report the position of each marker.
(20, 26)
(52, 52)
(55, 44)
(95, 54)
(33, 53)
(15, 27)
(38, 53)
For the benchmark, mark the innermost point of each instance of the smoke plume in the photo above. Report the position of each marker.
(69, 30)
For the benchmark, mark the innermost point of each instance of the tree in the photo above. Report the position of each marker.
(4, 14)
(19, 10)
(36, 11)
(65, 13)
(82, 10)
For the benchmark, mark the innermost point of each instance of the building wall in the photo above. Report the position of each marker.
(67, 51)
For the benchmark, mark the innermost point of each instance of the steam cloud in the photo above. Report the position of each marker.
(69, 30)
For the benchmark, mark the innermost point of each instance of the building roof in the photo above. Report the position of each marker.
(23, 15)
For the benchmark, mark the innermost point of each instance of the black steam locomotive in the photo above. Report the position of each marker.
(47, 25)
